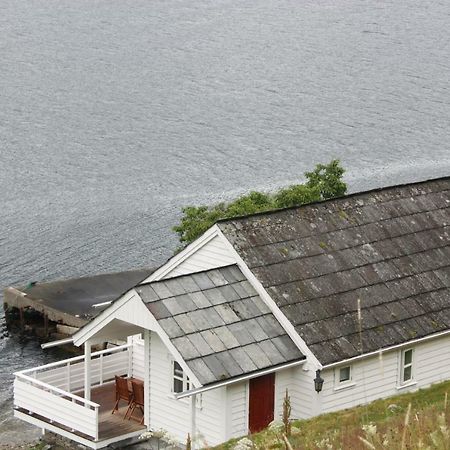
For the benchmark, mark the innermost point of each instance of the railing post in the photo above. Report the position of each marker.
(68, 376)
(87, 370)
(96, 423)
(101, 369)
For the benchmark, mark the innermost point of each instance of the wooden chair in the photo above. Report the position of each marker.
(138, 399)
(122, 393)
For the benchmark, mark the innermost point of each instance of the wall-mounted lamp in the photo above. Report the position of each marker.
(318, 382)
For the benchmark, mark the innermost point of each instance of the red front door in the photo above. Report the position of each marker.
(261, 402)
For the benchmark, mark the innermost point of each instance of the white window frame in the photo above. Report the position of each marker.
(338, 384)
(404, 366)
(183, 378)
(186, 385)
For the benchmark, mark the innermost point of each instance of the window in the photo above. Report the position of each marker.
(406, 373)
(345, 374)
(180, 380)
(343, 377)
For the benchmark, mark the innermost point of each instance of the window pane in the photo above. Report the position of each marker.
(177, 370)
(344, 374)
(177, 386)
(408, 357)
(407, 373)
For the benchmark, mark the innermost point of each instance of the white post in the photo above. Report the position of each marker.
(194, 421)
(68, 376)
(147, 378)
(96, 424)
(87, 370)
(101, 368)
(130, 342)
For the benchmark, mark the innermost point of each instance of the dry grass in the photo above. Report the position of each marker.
(419, 420)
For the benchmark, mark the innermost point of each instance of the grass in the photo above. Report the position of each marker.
(418, 420)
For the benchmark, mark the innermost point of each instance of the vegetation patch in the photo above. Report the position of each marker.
(413, 421)
(324, 182)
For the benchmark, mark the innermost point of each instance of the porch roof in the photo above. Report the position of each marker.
(219, 324)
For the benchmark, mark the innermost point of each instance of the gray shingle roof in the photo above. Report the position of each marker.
(218, 323)
(390, 248)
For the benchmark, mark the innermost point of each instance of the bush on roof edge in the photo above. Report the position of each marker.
(324, 182)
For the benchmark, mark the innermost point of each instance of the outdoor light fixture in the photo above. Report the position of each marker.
(318, 382)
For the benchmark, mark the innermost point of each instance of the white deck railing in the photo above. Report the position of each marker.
(56, 405)
(69, 373)
(49, 390)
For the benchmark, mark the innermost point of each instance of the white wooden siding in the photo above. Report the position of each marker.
(237, 410)
(283, 380)
(379, 377)
(136, 313)
(214, 253)
(54, 407)
(303, 396)
(174, 415)
(137, 361)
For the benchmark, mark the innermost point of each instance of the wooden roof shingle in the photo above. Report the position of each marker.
(218, 323)
(389, 249)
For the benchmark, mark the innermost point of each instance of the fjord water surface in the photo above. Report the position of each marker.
(114, 114)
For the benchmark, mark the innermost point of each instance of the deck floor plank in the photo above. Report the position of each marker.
(112, 425)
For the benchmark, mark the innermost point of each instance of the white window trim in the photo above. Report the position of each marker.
(402, 383)
(338, 385)
(199, 397)
(183, 378)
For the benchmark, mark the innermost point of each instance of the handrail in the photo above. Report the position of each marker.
(72, 360)
(58, 390)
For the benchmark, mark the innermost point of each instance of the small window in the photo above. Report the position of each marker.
(180, 380)
(407, 366)
(345, 374)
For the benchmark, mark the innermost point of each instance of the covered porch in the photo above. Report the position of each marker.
(75, 397)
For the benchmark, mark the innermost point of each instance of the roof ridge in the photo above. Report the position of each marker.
(328, 200)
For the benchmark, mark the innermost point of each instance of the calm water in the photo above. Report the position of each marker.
(114, 114)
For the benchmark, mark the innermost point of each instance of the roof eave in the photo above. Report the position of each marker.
(222, 383)
(386, 349)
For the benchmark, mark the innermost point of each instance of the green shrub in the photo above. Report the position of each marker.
(324, 182)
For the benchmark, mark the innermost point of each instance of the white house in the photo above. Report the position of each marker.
(352, 292)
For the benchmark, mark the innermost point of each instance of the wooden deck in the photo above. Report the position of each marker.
(113, 425)
(110, 425)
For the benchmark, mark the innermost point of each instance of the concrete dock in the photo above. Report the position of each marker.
(61, 307)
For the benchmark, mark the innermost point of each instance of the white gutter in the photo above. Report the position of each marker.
(56, 343)
(237, 379)
(386, 349)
